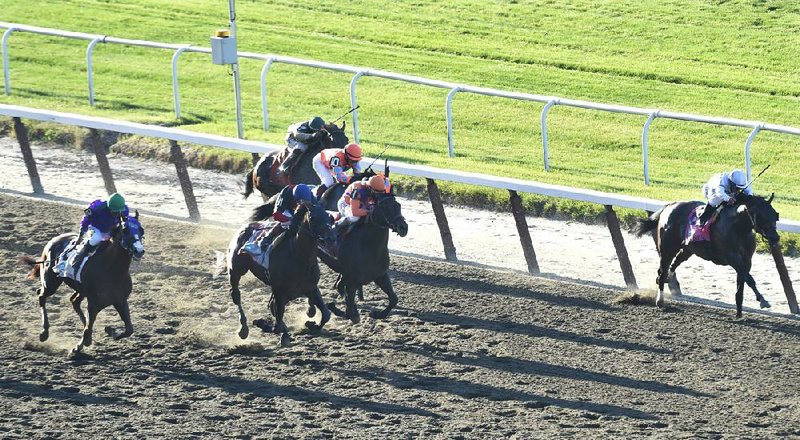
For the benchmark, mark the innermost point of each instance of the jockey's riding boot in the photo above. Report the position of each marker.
(77, 259)
(289, 162)
(321, 190)
(708, 211)
(340, 224)
(270, 237)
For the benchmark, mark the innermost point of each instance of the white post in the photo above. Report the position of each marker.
(175, 94)
(89, 70)
(264, 71)
(353, 103)
(449, 116)
(747, 144)
(545, 149)
(6, 78)
(646, 146)
(236, 88)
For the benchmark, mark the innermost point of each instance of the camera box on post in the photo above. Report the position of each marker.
(223, 48)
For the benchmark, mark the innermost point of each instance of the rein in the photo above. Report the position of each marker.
(386, 223)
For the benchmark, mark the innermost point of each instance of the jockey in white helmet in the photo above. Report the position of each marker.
(723, 188)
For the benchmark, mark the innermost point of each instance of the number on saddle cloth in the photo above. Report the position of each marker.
(695, 232)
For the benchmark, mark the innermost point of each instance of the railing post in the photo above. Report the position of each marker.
(353, 103)
(89, 70)
(646, 147)
(102, 161)
(545, 148)
(524, 234)
(6, 74)
(449, 115)
(27, 155)
(176, 157)
(619, 246)
(785, 280)
(747, 144)
(441, 220)
(176, 95)
(264, 110)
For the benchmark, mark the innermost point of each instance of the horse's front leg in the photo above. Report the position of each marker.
(86, 339)
(739, 293)
(280, 326)
(752, 284)
(125, 314)
(341, 287)
(350, 300)
(76, 300)
(385, 284)
(315, 300)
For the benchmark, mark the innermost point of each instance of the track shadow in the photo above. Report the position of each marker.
(13, 388)
(534, 331)
(236, 385)
(483, 287)
(471, 390)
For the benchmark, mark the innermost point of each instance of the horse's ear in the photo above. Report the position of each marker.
(136, 214)
(344, 124)
(771, 196)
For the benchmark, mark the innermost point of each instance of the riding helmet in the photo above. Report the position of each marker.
(353, 152)
(302, 192)
(377, 183)
(116, 203)
(316, 123)
(739, 178)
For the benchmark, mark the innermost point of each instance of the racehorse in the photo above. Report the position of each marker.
(265, 176)
(293, 269)
(363, 253)
(105, 278)
(732, 241)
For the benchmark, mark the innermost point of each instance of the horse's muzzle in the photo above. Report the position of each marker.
(138, 251)
(401, 227)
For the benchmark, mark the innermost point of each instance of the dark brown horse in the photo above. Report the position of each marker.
(293, 270)
(732, 241)
(105, 278)
(363, 253)
(265, 176)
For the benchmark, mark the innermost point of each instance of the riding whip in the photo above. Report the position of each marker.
(348, 112)
(754, 178)
(378, 157)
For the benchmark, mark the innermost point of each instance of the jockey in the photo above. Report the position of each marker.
(359, 198)
(332, 164)
(723, 188)
(99, 220)
(298, 137)
(287, 206)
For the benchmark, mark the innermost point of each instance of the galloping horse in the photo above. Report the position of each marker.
(265, 177)
(732, 241)
(363, 253)
(105, 278)
(293, 270)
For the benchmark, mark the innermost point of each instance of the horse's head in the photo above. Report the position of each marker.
(387, 214)
(131, 235)
(763, 216)
(336, 137)
(319, 224)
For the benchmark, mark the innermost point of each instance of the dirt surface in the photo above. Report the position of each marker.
(469, 353)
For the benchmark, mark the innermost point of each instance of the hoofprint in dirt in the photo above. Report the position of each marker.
(469, 353)
(565, 250)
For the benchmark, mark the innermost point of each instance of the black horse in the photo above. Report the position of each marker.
(265, 176)
(105, 278)
(732, 240)
(293, 269)
(363, 253)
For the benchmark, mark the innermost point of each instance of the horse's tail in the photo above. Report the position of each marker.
(248, 183)
(645, 225)
(36, 266)
(263, 212)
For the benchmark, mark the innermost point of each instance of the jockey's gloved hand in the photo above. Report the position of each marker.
(732, 201)
(319, 135)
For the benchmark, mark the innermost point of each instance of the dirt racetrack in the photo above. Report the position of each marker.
(468, 354)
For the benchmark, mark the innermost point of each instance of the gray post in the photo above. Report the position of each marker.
(619, 245)
(785, 280)
(441, 220)
(524, 234)
(27, 155)
(102, 161)
(176, 157)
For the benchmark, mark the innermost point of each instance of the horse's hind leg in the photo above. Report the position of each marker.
(124, 314)
(48, 288)
(315, 299)
(234, 275)
(674, 286)
(385, 284)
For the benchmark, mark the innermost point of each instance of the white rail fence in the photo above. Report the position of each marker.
(429, 173)
(549, 101)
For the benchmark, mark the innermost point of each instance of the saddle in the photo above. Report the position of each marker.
(61, 264)
(694, 232)
(258, 229)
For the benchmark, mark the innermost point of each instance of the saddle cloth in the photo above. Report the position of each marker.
(694, 232)
(60, 266)
(259, 228)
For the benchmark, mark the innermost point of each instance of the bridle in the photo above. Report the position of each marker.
(386, 223)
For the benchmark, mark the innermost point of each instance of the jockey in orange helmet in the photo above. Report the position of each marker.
(359, 198)
(332, 164)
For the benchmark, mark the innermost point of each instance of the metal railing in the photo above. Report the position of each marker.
(549, 101)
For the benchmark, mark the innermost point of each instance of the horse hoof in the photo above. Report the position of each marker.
(378, 315)
(285, 341)
(311, 311)
(263, 325)
(765, 304)
(335, 310)
(44, 335)
(313, 328)
(355, 318)
(244, 331)
(660, 302)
